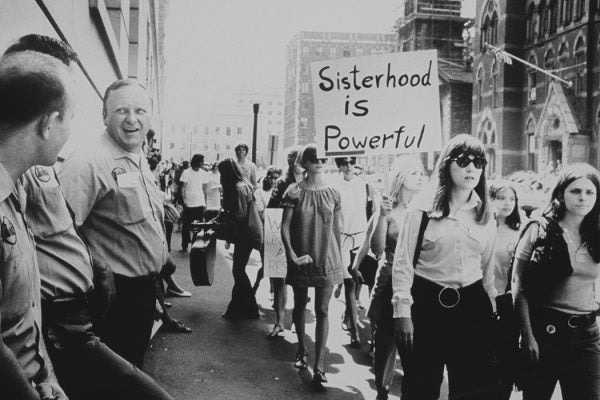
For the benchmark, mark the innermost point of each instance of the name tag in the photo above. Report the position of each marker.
(127, 180)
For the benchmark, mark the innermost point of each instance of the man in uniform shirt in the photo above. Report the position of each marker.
(36, 109)
(67, 280)
(119, 212)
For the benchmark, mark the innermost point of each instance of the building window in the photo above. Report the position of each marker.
(563, 59)
(239, 130)
(228, 131)
(529, 23)
(567, 11)
(217, 130)
(549, 63)
(494, 84)
(580, 66)
(552, 13)
(228, 147)
(332, 52)
(346, 53)
(532, 83)
(485, 31)
(480, 90)
(531, 145)
(579, 9)
(319, 51)
(543, 18)
(304, 51)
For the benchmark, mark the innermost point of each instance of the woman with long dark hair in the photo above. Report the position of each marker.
(557, 265)
(443, 297)
(241, 213)
(311, 234)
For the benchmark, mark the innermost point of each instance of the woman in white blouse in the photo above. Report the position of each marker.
(443, 297)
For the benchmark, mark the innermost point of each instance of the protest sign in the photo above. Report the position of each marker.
(275, 263)
(378, 104)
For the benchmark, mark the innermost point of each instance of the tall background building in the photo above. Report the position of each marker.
(306, 47)
(527, 119)
(114, 39)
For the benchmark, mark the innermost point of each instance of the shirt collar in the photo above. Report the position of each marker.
(118, 152)
(7, 186)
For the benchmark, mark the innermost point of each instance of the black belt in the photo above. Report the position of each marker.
(446, 297)
(554, 319)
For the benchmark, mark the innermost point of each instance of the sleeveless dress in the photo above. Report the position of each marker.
(315, 230)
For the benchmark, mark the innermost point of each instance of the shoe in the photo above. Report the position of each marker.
(175, 326)
(319, 377)
(177, 293)
(275, 332)
(345, 322)
(383, 394)
(301, 361)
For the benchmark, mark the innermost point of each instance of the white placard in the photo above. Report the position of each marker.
(275, 262)
(378, 104)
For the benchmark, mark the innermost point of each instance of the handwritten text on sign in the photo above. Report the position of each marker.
(275, 260)
(385, 103)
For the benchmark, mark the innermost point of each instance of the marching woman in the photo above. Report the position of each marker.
(311, 234)
(407, 179)
(443, 288)
(242, 214)
(508, 219)
(557, 264)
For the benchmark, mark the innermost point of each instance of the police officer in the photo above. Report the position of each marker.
(119, 211)
(36, 109)
(87, 368)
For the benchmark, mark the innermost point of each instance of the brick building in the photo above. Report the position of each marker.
(527, 119)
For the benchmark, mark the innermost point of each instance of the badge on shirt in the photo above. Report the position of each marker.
(127, 180)
(42, 173)
(7, 231)
(116, 172)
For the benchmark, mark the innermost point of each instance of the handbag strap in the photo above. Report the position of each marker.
(422, 227)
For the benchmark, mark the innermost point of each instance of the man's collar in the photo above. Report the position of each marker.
(118, 152)
(7, 186)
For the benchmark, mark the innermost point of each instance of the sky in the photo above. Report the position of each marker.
(216, 48)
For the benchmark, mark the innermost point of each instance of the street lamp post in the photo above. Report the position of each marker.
(255, 107)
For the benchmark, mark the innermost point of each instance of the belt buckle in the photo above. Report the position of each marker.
(574, 321)
(454, 292)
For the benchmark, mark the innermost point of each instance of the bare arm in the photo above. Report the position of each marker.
(363, 250)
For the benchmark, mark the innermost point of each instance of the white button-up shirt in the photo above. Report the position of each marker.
(456, 252)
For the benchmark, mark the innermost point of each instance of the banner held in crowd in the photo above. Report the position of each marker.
(275, 262)
(378, 104)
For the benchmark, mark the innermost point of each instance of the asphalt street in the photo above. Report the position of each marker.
(224, 360)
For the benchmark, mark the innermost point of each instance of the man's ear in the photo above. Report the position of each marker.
(47, 123)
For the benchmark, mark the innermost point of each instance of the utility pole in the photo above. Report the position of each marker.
(255, 107)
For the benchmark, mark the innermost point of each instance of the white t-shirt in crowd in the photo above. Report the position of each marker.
(193, 196)
(213, 192)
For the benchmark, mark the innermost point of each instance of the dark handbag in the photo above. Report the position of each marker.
(202, 257)
(224, 227)
(368, 266)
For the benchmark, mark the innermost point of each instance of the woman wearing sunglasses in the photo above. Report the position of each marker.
(311, 234)
(443, 297)
(556, 269)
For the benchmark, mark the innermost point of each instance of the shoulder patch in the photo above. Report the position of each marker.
(116, 172)
(42, 173)
(8, 233)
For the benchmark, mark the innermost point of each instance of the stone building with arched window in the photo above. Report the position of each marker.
(534, 120)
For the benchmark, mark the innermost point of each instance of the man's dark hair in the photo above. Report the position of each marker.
(118, 85)
(30, 86)
(44, 44)
(197, 160)
(241, 146)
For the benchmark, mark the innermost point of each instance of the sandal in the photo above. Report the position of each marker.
(319, 376)
(301, 361)
(175, 326)
(275, 332)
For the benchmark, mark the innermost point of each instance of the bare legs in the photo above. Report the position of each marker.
(322, 298)
(279, 299)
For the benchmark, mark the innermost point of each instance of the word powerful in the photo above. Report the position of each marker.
(397, 140)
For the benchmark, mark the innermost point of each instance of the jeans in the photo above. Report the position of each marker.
(570, 356)
(458, 338)
(86, 368)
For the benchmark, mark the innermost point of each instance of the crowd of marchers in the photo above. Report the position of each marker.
(85, 250)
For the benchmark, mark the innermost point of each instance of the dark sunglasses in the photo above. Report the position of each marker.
(314, 160)
(348, 163)
(465, 159)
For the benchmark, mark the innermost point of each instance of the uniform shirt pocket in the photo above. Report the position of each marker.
(50, 216)
(129, 206)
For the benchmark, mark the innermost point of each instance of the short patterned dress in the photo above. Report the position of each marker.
(315, 230)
